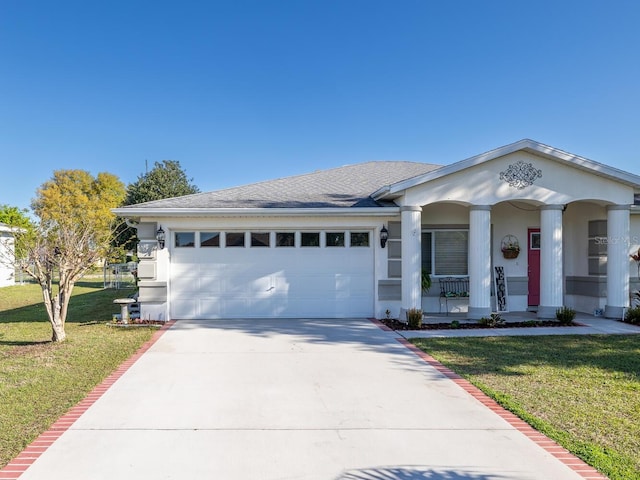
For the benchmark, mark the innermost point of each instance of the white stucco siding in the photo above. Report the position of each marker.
(7, 270)
(445, 214)
(576, 235)
(514, 219)
(481, 185)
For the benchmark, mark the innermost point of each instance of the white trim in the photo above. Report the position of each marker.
(523, 145)
(253, 212)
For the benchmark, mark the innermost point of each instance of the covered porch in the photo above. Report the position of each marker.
(570, 217)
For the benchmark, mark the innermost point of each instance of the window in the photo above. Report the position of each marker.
(209, 239)
(285, 239)
(335, 239)
(185, 239)
(359, 239)
(310, 239)
(260, 239)
(534, 240)
(597, 247)
(235, 239)
(445, 252)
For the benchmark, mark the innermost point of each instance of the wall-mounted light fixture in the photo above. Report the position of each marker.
(384, 236)
(160, 236)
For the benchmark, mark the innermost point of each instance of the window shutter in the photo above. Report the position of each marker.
(426, 252)
(451, 252)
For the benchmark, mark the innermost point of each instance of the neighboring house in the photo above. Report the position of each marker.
(7, 269)
(310, 246)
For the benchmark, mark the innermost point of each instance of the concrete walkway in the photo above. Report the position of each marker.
(292, 399)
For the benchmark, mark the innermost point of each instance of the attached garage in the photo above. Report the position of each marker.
(307, 246)
(271, 274)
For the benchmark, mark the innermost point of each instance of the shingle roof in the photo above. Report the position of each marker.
(349, 186)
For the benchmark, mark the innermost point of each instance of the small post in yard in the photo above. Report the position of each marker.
(124, 308)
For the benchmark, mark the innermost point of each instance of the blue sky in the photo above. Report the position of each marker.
(240, 91)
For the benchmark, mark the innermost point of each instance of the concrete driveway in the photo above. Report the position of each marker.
(289, 399)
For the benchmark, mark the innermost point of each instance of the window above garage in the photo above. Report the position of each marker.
(271, 239)
(185, 239)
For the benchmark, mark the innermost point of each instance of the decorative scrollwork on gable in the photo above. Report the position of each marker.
(520, 175)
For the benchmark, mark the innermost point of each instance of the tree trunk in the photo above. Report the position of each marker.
(52, 305)
(58, 333)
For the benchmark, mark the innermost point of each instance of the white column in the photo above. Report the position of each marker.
(479, 261)
(411, 217)
(551, 274)
(617, 260)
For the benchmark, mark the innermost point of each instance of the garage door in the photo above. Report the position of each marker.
(265, 279)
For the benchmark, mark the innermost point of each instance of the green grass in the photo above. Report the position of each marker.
(582, 391)
(39, 380)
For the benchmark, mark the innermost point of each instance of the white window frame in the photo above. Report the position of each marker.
(433, 232)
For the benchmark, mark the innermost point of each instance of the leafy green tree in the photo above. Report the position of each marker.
(15, 216)
(73, 232)
(166, 179)
(18, 218)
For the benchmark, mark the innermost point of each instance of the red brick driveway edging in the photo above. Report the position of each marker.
(29, 455)
(579, 466)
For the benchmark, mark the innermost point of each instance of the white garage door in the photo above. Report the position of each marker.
(258, 281)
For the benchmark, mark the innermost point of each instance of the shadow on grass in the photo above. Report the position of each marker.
(18, 343)
(508, 356)
(92, 305)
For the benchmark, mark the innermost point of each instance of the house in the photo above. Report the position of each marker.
(7, 270)
(313, 245)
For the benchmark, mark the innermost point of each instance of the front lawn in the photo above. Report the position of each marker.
(39, 380)
(582, 391)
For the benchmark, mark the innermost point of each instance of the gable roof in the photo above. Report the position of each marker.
(394, 190)
(350, 186)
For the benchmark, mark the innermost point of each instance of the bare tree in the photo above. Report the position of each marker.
(70, 250)
(73, 233)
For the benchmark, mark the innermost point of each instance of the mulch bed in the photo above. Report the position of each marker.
(396, 325)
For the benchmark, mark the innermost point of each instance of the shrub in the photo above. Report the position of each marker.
(565, 315)
(414, 318)
(455, 324)
(632, 315)
(492, 321)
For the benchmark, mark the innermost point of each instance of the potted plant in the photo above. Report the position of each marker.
(510, 247)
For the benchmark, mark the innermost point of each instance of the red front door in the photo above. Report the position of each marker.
(533, 259)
